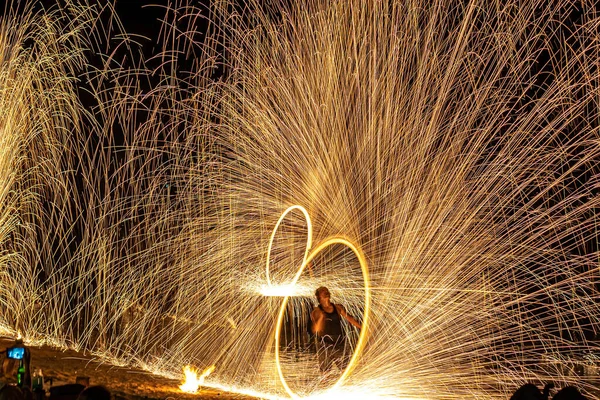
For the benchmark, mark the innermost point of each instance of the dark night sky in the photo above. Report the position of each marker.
(138, 17)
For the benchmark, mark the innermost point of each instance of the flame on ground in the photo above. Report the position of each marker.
(192, 381)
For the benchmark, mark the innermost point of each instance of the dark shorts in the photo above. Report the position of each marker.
(332, 351)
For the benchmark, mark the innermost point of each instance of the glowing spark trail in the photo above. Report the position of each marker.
(305, 261)
(452, 147)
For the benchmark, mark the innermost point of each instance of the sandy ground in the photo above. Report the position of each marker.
(64, 366)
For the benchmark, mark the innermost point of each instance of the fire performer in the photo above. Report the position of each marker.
(327, 325)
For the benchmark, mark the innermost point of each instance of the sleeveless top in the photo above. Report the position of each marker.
(333, 324)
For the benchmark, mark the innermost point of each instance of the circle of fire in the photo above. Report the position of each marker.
(308, 257)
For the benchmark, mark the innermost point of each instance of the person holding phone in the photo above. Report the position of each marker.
(16, 365)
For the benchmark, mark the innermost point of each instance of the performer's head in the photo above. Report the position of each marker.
(323, 295)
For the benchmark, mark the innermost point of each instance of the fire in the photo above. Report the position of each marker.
(192, 381)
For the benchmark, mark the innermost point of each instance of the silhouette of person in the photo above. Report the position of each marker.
(10, 365)
(527, 392)
(10, 392)
(95, 393)
(568, 393)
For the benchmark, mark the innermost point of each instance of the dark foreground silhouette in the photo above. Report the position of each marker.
(531, 392)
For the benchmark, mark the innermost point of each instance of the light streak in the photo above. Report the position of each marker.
(308, 239)
(284, 291)
(288, 290)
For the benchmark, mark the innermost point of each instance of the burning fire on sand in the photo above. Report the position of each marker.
(192, 381)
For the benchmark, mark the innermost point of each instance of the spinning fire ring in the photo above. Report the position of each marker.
(308, 257)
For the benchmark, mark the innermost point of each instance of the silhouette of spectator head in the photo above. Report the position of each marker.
(568, 393)
(95, 393)
(10, 392)
(527, 392)
(27, 393)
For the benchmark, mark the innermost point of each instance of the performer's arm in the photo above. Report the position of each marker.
(318, 320)
(348, 317)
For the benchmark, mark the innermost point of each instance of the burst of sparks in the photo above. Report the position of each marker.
(284, 290)
(192, 381)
